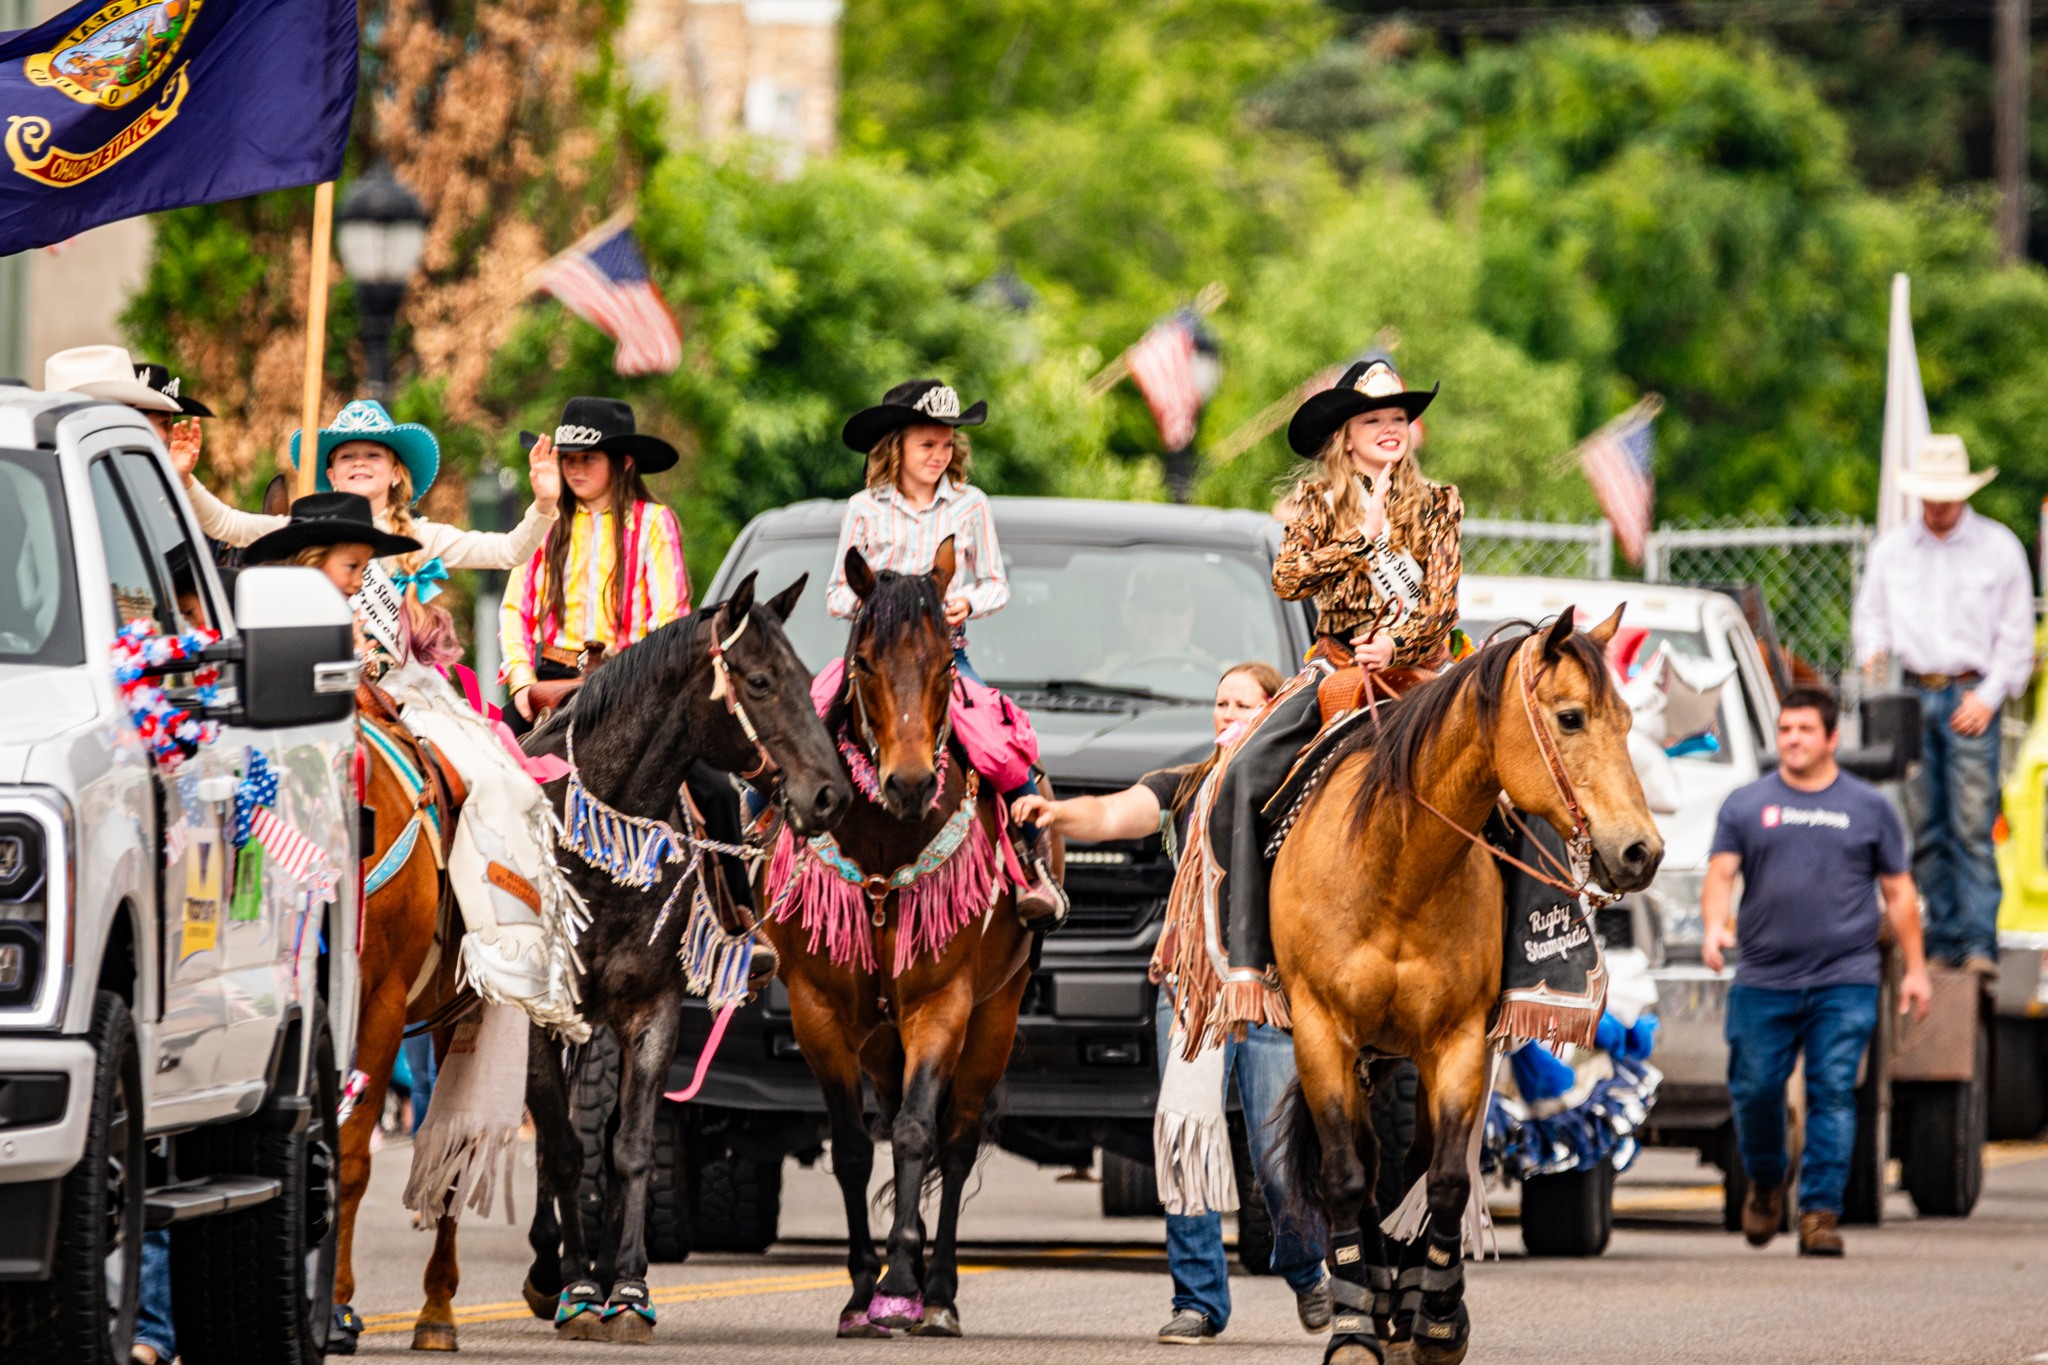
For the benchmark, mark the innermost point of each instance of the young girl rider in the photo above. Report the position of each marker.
(916, 496)
(611, 570)
(516, 904)
(1375, 545)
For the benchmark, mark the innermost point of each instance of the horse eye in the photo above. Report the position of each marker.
(1571, 721)
(758, 681)
(860, 665)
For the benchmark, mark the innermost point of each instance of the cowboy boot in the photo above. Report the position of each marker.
(1042, 902)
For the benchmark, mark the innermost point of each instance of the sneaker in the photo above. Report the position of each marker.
(1763, 1213)
(1188, 1328)
(1818, 1235)
(1314, 1306)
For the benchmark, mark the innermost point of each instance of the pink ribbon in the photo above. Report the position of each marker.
(689, 1092)
(542, 768)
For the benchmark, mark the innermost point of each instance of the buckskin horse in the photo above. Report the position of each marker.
(1386, 921)
(722, 688)
(899, 947)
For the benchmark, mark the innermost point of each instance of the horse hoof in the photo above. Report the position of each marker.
(1352, 1353)
(896, 1310)
(540, 1305)
(628, 1328)
(1401, 1353)
(341, 1337)
(938, 1322)
(853, 1325)
(434, 1336)
(1442, 1341)
(583, 1327)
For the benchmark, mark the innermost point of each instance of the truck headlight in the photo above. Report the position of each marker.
(1675, 896)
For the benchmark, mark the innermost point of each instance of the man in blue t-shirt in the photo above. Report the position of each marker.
(1814, 846)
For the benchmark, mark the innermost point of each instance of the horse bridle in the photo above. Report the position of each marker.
(723, 690)
(1573, 879)
(864, 728)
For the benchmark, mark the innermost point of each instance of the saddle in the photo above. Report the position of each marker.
(1345, 689)
(445, 790)
(551, 693)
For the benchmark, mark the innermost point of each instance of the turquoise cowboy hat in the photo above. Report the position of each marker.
(366, 420)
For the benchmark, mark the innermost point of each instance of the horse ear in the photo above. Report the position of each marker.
(742, 600)
(943, 565)
(784, 602)
(1604, 632)
(277, 497)
(859, 576)
(1559, 632)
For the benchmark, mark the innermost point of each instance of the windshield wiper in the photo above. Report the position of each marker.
(1102, 689)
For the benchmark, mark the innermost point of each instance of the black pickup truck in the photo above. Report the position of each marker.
(1122, 617)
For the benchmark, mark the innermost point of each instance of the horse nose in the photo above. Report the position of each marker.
(831, 798)
(1639, 860)
(909, 794)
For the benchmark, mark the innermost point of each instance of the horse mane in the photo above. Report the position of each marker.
(629, 675)
(1395, 747)
(899, 603)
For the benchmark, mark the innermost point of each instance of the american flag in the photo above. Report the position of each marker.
(1617, 461)
(294, 854)
(1162, 365)
(603, 279)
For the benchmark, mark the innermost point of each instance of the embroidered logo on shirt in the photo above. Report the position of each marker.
(1774, 816)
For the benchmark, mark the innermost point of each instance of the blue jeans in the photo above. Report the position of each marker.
(1951, 804)
(1767, 1029)
(153, 1311)
(419, 1059)
(1264, 1066)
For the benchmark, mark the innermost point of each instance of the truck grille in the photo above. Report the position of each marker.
(1117, 888)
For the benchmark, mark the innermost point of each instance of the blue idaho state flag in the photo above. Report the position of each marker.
(123, 107)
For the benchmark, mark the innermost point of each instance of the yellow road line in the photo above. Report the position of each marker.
(1998, 1154)
(1690, 1197)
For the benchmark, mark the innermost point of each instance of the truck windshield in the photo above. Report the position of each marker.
(38, 590)
(1161, 620)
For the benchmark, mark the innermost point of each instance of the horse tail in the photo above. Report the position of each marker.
(1297, 1162)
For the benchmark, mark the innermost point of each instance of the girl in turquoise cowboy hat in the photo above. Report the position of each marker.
(513, 952)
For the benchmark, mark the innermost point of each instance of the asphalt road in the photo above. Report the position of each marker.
(1050, 1279)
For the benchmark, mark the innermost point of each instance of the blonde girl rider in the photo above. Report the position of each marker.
(518, 908)
(1375, 546)
(916, 497)
(611, 569)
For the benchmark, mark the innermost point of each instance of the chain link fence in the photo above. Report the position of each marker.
(1806, 567)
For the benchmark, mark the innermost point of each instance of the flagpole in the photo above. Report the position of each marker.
(316, 337)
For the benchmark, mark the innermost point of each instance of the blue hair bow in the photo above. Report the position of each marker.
(427, 580)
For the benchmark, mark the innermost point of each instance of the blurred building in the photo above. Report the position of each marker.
(762, 68)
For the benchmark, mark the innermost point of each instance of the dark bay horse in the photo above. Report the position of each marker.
(877, 986)
(1386, 926)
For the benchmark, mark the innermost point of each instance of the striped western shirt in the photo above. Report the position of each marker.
(891, 534)
(658, 590)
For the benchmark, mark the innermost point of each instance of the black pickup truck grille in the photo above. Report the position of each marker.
(1117, 888)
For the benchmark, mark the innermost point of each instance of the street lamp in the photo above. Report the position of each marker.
(380, 231)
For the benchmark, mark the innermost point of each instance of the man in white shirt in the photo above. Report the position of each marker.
(1951, 595)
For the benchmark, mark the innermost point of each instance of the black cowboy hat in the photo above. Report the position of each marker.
(1367, 385)
(328, 519)
(158, 377)
(606, 424)
(919, 401)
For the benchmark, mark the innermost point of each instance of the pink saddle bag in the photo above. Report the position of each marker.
(993, 730)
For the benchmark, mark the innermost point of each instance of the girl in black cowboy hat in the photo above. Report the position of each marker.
(917, 497)
(1375, 545)
(612, 567)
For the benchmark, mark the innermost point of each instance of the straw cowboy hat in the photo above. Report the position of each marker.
(1941, 472)
(1367, 385)
(104, 372)
(366, 420)
(914, 403)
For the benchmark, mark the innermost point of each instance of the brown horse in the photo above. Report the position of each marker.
(402, 914)
(1387, 932)
(930, 1021)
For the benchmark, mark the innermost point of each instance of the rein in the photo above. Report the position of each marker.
(723, 690)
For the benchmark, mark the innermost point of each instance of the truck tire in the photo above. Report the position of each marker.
(258, 1285)
(735, 1190)
(85, 1314)
(1570, 1213)
(1130, 1188)
(2019, 1089)
(1941, 1142)
(668, 1188)
(1254, 1223)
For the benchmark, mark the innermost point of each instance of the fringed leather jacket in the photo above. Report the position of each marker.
(1361, 586)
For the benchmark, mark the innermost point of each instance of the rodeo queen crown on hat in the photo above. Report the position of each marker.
(914, 403)
(606, 424)
(1366, 386)
(366, 420)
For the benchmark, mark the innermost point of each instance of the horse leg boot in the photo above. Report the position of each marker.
(579, 1306)
(1456, 1080)
(629, 1314)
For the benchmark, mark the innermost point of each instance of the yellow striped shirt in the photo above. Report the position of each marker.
(659, 594)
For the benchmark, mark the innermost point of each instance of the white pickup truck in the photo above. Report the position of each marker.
(174, 1014)
(1937, 1097)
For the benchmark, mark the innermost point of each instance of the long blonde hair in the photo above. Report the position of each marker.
(1407, 493)
(430, 631)
(885, 461)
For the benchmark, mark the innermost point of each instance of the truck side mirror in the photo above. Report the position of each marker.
(1891, 738)
(298, 662)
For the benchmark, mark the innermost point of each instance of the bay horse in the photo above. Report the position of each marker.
(723, 691)
(1386, 921)
(913, 982)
